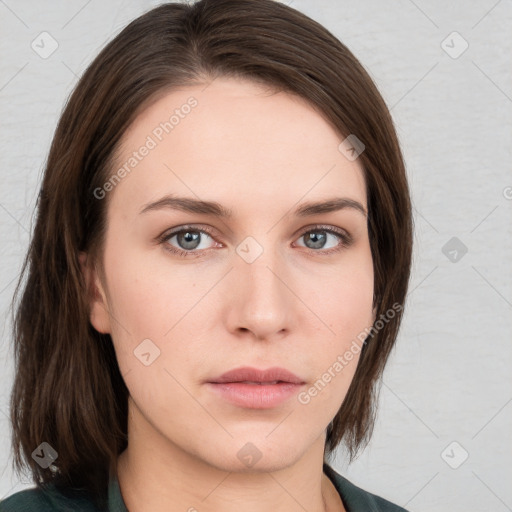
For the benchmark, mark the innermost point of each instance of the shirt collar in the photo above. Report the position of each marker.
(115, 499)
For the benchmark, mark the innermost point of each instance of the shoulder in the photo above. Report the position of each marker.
(357, 499)
(28, 500)
(44, 500)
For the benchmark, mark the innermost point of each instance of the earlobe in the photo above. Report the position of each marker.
(98, 308)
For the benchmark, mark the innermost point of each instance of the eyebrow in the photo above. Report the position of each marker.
(191, 205)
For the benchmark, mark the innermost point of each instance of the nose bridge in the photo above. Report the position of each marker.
(261, 298)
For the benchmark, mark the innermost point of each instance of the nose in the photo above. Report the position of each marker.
(261, 299)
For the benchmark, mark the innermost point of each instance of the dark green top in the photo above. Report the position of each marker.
(354, 498)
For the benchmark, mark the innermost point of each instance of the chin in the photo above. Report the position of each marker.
(261, 455)
(267, 464)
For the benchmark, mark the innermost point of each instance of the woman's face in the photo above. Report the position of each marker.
(264, 287)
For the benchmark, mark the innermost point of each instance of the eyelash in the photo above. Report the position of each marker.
(346, 240)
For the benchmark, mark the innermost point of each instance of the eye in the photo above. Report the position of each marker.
(317, 237)
(189, 240)
(188, 237)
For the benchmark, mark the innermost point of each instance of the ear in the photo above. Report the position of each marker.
(98, 307)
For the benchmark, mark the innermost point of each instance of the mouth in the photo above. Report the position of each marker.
(256, 389)
(249, 375)
(260, 383)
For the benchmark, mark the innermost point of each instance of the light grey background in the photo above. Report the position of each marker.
(449, 377)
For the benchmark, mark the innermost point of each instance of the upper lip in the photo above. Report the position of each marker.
(247, 373)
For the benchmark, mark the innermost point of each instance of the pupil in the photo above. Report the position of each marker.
(190, 240)
(320, 240)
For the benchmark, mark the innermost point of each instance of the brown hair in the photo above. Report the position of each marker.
(68, 390)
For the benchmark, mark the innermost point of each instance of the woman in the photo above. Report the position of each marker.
(217, 273)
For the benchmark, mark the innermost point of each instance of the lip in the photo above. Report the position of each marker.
(247, 373)
(262, 393)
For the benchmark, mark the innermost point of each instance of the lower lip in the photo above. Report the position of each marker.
(255, 396)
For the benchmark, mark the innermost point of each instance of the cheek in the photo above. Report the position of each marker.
(355, 294)
(343, 303)
(148, 299)
(342, 298)
(346, 306)
(153, 300)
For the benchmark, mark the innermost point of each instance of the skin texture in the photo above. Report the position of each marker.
(261, 154)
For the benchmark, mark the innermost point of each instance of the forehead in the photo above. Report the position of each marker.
(235, 142)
